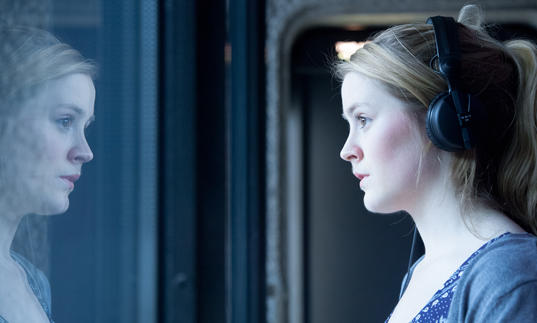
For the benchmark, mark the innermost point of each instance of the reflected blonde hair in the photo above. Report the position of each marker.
(501, 171)
(30, 57)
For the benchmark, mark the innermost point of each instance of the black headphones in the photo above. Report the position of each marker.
(451, 117)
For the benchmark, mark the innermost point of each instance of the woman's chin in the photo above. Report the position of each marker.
(378, 206)
(54, 206)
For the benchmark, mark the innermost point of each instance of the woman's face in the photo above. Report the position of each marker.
(43, 146)
(384, 145)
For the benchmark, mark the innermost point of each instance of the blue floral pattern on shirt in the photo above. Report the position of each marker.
(436, 311)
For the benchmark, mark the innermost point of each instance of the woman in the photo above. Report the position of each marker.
(467, 175)
(46, 102)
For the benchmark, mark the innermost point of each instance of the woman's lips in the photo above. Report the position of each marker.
(360, 176)
(70, 179)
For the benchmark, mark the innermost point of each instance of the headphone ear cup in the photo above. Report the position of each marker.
(442, 125)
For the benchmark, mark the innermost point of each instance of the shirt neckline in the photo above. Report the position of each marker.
(458, 272)
(30, 279)
(455, 274)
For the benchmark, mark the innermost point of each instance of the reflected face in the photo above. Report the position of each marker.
(383, 145)
(44, 146)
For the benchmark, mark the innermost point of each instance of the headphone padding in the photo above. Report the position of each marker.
(442, 125)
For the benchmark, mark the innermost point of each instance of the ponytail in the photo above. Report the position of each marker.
(517, 176)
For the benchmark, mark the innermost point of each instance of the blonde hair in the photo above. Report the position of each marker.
(501, 170)
(29, 57)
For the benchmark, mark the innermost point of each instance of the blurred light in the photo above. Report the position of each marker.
(345, 49)
(354, 27)
(227, 53)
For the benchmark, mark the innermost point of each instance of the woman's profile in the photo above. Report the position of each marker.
(443, 125)
(46, 102)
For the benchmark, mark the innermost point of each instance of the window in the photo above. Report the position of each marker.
(165, 223)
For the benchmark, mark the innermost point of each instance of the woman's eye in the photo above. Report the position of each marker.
(65, 123)
(362, 121)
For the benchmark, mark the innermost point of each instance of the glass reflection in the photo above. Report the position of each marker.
(46, 102)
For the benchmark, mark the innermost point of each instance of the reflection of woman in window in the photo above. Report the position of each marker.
(474, 204)
(46, 102)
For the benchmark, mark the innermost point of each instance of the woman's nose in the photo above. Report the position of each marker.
(81, 153)
(351, 151)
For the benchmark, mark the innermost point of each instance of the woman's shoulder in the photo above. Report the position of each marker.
(513, 255)
(505, 263)
(37, 280)
(501, 282)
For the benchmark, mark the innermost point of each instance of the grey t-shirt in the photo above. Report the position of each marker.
(500, 285)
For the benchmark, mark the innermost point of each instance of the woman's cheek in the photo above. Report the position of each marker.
(398, 149)
(52, 143)
(393, 133)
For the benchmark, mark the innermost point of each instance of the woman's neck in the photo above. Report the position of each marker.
(450, 231)
(9, 222)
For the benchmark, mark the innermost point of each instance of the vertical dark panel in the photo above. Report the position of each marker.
(177, 253)
(117, 162)
(211, 161)
(247, 35)
(305, 92)
(146, 311)
(195, 157)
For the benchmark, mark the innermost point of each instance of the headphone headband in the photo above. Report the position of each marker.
(447, 48)
(449, 118)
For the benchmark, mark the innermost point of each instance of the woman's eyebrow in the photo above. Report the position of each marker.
(353, 107)
(73, 107)
(362, 104)
(77, 110)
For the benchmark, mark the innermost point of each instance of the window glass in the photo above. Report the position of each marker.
(78, 161)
